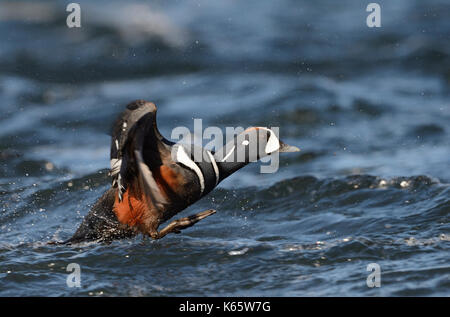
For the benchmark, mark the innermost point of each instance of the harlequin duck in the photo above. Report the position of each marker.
(153, 179)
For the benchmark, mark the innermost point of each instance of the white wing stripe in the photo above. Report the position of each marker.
(115, 166)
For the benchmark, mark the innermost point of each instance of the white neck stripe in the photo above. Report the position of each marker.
(214, 164)
(228, 155)
(184, 159)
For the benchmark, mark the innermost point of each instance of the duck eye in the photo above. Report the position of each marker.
(245, 142)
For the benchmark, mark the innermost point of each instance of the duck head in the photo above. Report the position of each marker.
(249, 146)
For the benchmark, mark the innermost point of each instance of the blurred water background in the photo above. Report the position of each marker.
(369, 107)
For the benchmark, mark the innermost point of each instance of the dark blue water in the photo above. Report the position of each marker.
(369, 107)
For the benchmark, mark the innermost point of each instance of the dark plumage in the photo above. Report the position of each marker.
(149, 186)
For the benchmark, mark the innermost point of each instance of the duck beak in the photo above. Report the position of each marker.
(286, 148)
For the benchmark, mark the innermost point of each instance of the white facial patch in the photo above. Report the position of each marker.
(273, 144)
(184, 159)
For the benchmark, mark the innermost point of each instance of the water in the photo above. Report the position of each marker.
(369, 108)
